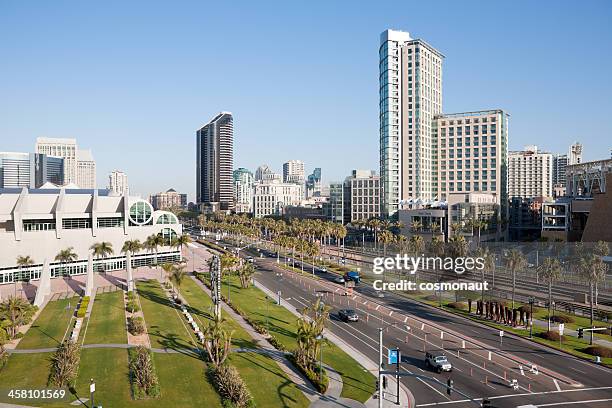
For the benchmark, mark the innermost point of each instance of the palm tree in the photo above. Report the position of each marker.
(385, 237)
(488, 265)
(245, 273)
(102, 250)
(131, 246)
(64, 256)
(416, 225)
(550, 269)
(593, 269)
(22, 261)
(177, 276)
(600, 249)
(217, 340)
(15, 312)
(435, 228)
(152, 243)
(181, 241)
(515, 260)
(374, 224)
(168, 268)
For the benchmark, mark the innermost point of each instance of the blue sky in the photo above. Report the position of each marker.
(133, 80)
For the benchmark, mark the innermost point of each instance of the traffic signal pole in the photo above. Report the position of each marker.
(380, 364)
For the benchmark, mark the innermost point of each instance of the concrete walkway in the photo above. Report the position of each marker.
(406, 397)
(294, 375)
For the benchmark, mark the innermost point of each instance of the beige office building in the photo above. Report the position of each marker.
(64, 148)
(364, 191)
(270, 197)
(86, 169)
(472, 154)
(530, 173)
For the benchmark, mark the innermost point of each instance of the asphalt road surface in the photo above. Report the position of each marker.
(561, 380)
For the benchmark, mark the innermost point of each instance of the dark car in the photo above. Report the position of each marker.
(348, 315)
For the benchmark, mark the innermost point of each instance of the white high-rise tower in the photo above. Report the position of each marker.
(410, 86)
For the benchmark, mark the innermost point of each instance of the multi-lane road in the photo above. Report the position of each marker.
(482, 367)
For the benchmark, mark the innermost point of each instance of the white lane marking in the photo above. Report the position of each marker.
(556, 384)
(580, 371)
(518, 395)
(573, 402)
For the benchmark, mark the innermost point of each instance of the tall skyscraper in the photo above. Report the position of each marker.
(30, 170)
(529, 173)
(293, 172)
(410, 86)
(118, 182)
(64, 148)
(86, 169)
(214, 163)
(243, 190)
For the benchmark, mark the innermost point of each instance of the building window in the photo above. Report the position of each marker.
(76, 223)
(38, 225)
(167, 219)
(140, 213)
(111, 222)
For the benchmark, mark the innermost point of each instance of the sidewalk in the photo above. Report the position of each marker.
(572, 332)
(296, 377)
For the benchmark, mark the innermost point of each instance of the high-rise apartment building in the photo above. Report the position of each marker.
(472, 150)
(215, 162)
(270, 197)
(560, 162)
(118, 182)
(265, 173)
(293, 172)
(86, 169)
(64, 148)
(530, 173)
(410, 96)
(243, 190)
(30, 170)
(313, 184)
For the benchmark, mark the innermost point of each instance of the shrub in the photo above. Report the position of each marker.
(551, 335)
(600, 351)
(132, 306)
(431, 298)
(562, 319)
(277, 344)
(136, 325)
(143, 377)
(231, 387)
(83, 307)
(312, 373)
(131, 295)
(65, 365)
(457, 305)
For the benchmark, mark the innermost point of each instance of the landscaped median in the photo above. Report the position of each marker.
(264, 314)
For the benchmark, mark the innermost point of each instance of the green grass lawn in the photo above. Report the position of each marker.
(24, 371)
(165, 324)
(49, 328)
(107, 320)
(359, 384)
(267, 382)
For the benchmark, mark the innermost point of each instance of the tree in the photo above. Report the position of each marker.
(152, 243)
(181, 241)
(65, 364)
(515, 260)
(131, 246)
(14, 313)
(600, 249)
(217, 341)
(385, 237)
(592, 268)
(310, 327)
(416, 225)
(168, 268)
(550, 269)
(102, 250)
(374, 224)
(488, 265)
(65, 256)
(177, 276)
(245, 273)
(22, 261)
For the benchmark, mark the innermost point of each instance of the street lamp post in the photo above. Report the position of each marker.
(531, 300)
(320, 339)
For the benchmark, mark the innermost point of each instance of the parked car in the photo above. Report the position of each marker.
(339, 279)
(348, 315)
(437, 360)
